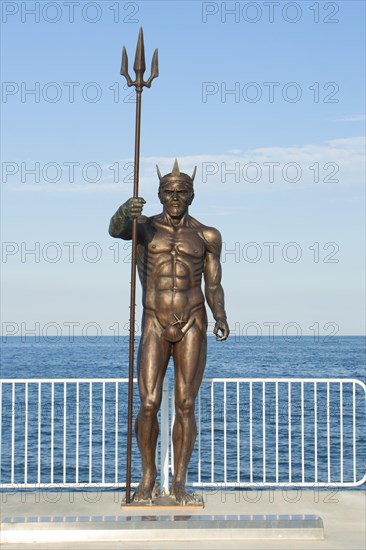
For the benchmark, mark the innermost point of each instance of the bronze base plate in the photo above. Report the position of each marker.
(163, 502)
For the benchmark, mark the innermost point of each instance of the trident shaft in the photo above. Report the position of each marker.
(139, 83)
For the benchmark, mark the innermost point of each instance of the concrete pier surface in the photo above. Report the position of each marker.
(37, 516)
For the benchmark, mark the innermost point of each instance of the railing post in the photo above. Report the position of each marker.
(164, 438)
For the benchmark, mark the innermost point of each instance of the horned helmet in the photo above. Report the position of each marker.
(176, 176)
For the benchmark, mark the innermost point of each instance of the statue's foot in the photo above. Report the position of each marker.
(178, 490)
(156, 490)
(147, 489)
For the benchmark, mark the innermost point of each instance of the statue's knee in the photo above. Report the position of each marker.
(185, 407)
(149, 407)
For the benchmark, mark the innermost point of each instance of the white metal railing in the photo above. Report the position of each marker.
(251, 432)
(63, 432)
(281, 431)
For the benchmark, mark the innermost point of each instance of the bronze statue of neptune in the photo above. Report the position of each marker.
(173, 251)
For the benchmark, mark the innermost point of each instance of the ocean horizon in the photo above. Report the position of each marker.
(239, 356)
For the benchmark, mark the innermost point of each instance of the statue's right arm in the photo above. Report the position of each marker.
(121, 222)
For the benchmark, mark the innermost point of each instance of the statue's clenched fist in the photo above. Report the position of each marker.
(132, 208)
(221, 329)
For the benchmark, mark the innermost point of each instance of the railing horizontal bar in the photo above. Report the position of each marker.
(216, 484)
(326, 484)
(48, 486)
(285, 380)
(62, 380)
(205, 380)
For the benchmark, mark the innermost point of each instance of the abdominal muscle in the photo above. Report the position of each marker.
(169, 305)
(173, 289)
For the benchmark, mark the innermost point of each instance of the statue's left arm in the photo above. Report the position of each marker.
(213, 290)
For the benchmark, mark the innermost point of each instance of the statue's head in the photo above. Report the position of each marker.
(176, 190)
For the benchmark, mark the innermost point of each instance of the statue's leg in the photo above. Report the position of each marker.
(189, 359)
(153, 358)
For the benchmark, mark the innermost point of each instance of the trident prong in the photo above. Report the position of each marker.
(139, 65)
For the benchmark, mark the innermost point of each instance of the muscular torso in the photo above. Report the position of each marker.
(170, 264)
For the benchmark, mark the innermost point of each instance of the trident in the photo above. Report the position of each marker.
(139, 67)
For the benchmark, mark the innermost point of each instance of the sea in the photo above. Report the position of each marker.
(107, 357)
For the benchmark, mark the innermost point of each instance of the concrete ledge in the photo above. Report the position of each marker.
(343, 514)
(44, 529)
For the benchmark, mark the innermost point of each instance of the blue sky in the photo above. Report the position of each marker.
(267, 101)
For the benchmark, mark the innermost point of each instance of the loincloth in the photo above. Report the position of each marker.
(179, 326)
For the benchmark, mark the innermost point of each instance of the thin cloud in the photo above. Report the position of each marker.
(338, 161)
(350, 118)
(235, 151)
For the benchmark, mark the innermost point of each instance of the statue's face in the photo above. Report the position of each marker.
(176, 197)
